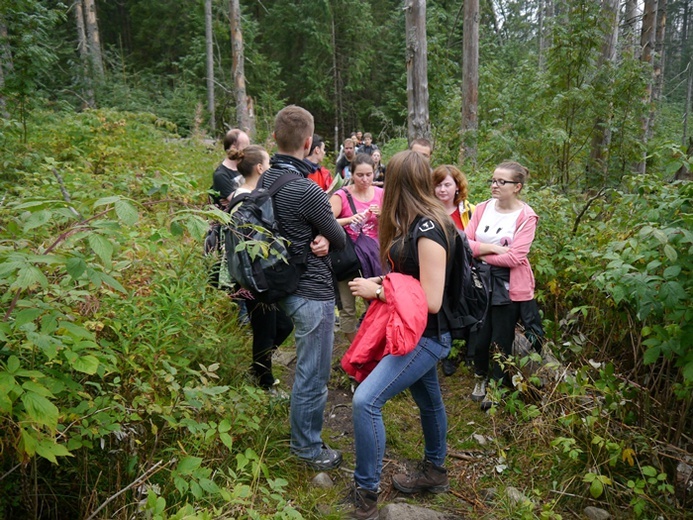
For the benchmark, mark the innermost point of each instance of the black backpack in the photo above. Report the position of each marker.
(467, 296)
(256, 252)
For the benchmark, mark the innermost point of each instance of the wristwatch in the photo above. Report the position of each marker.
(378, 292)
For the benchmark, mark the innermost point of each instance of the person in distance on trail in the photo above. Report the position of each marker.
(416, 237)
(422, 146)
(501, 233)
(226, 178)
(378, 169)
(343, 166)
(367, 200)
(305, 215)
(270, 325)
(367, 146)
(451, 190)
(320, 175)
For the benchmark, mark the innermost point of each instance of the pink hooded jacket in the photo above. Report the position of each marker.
(521, 275)
(393, 327)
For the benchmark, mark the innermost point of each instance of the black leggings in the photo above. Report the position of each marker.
(498, 329)
(271, 326)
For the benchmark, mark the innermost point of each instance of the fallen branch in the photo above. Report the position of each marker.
(139, 480)
(66, 194)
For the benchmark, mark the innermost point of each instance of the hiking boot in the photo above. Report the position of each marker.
(479, 392)
(449, 367)
(326, 460)
(365, 504)
(428, 477)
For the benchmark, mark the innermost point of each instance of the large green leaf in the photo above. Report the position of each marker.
(40, 409)
(101, 246)
(126, 212)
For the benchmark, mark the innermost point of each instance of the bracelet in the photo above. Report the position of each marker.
(381, 279)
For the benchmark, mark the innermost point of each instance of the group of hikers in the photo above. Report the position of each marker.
(412, 213)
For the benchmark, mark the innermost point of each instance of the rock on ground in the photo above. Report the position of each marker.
(594, 513)
(410, 512)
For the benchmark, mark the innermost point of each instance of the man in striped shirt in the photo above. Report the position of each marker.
(306, 220)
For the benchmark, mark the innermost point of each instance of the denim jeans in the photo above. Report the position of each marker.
(394, 374)
(314, 334)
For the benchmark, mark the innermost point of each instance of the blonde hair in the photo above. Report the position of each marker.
(409, 195)
(520, 173)
(442, 171)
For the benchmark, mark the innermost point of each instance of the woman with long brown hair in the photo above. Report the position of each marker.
(416, 237)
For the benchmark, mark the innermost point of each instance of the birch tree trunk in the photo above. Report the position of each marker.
(83, 50)
(93, 39)
(418, 122)
(243, 119)
(601, 138)
(470, 82)
(209, 51)
(647, 43)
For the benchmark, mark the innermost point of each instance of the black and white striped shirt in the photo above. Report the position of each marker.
(303, 211)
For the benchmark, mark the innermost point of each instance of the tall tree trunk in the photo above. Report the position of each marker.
(630, 26)
(3, 35)
(470, 81)
(83, 49)
(647, 43)
(338, 108)
(601, 138)
(660, 53)
(244, 121)
(418, 122)
(94, 39)
(209, 51)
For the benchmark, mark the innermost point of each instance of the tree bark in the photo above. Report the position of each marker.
(647, 43)
(209, 51)
(83, 50)
(601, 138)
(243, 119)
(630, 22)
(3, 104)
(418, 121)
(93, 39)
(470, 81)
(660, 52)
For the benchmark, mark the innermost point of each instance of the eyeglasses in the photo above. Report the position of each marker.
(501, 182)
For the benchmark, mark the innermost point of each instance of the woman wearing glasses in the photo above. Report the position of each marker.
(500, 233)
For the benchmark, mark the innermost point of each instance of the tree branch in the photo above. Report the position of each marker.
(599, 194)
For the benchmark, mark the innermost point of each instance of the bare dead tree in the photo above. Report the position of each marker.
(418, 120)
(83, 50)
(244, 121)
(470, 82)
(209, 52)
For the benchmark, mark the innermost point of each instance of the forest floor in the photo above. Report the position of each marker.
(479, 447)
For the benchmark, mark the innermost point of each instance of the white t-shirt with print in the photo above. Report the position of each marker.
(496, 228)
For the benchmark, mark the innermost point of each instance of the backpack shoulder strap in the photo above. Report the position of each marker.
(280, 181)
(351, 202)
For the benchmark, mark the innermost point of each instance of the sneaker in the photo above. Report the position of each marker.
(428, 477)
(364, 502)
(449, 367)
(327, 459)
(487, 403)
(479, 392)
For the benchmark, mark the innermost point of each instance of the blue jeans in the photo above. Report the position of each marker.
(314, 334)
(394, 374)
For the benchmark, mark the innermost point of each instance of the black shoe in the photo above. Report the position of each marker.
(449, 367)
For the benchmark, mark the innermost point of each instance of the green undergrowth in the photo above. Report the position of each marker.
(123, 376)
